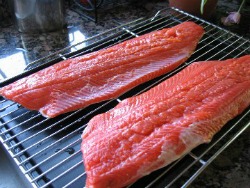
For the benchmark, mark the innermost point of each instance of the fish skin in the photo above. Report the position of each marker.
(149, 131)
(79, 82)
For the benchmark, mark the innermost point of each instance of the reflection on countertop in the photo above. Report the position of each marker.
(17, 60)
(230, 169)
(14, 180)
(20, 49)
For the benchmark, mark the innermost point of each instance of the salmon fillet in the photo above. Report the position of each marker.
(149, 131)
(76, 83)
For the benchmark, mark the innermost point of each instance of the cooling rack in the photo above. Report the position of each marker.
(47, 151)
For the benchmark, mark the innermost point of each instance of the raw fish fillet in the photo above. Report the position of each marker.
(149, 131)
(76, 83)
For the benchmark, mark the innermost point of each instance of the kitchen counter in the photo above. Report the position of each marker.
(230, 169)
(27, 48)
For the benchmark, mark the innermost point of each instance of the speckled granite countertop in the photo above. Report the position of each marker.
(230, 169)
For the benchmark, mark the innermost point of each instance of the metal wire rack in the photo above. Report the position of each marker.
(47, 151)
